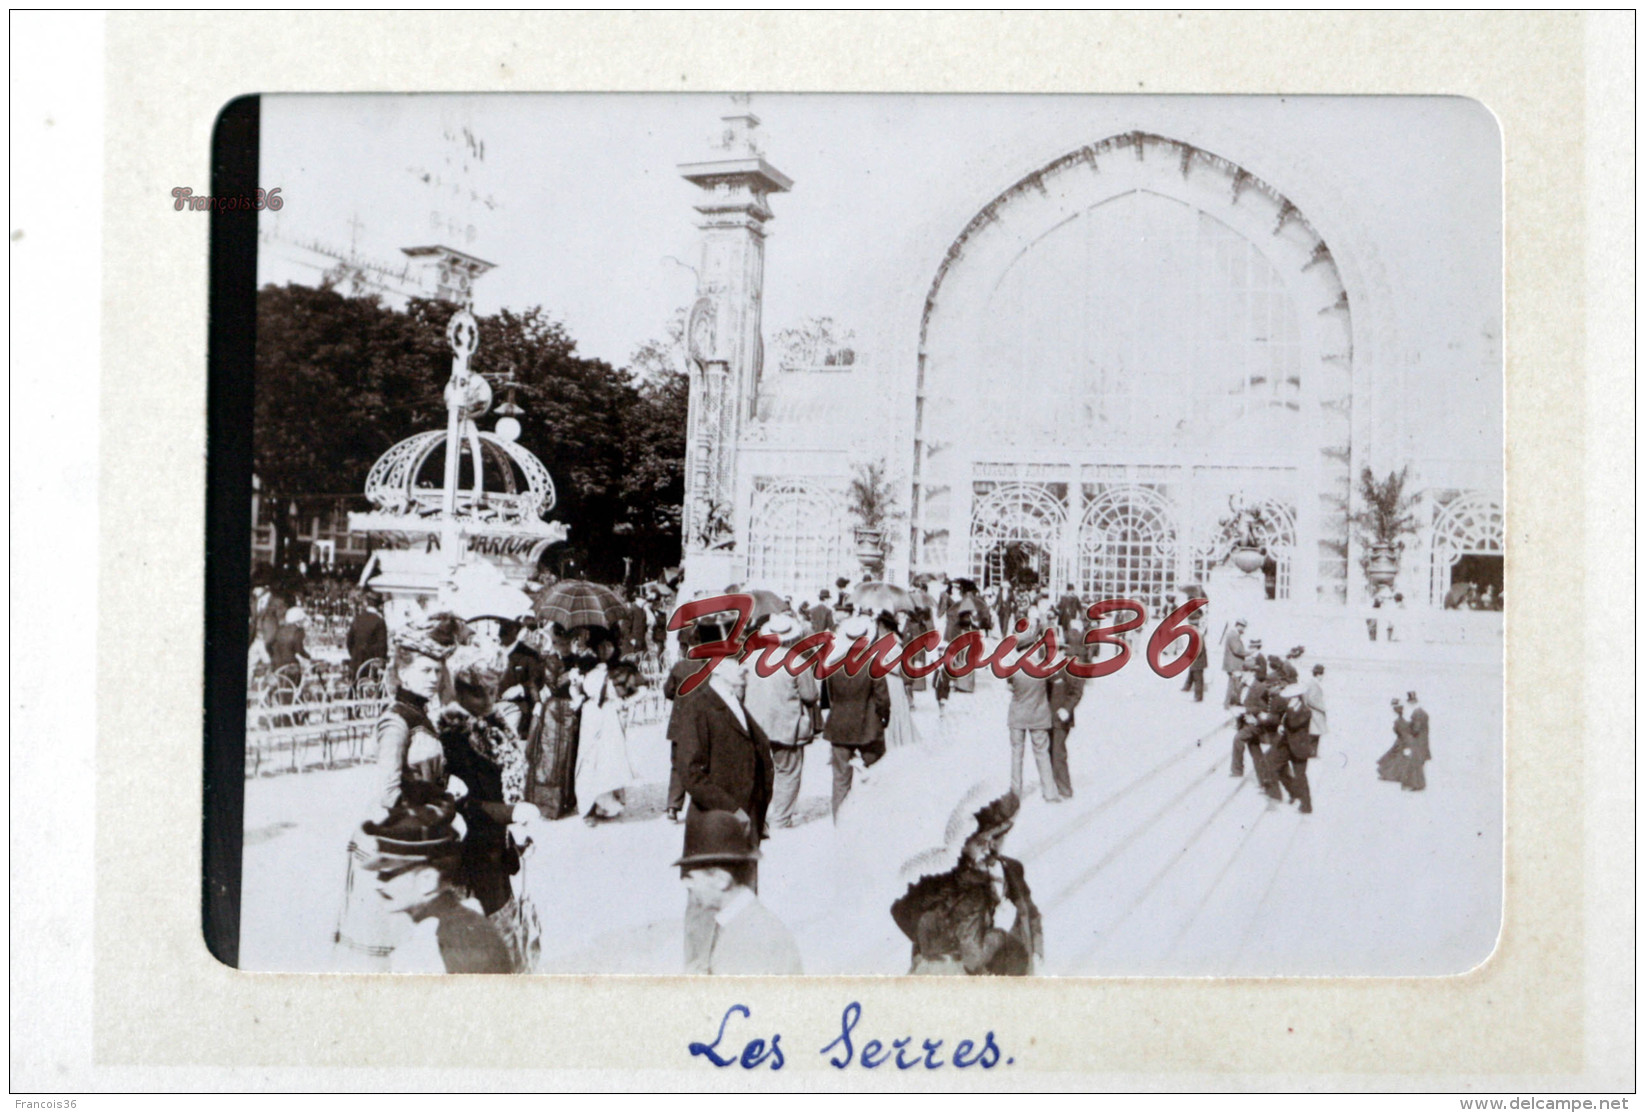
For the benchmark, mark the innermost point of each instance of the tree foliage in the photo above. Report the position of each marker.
(339, 380)
(814, 342)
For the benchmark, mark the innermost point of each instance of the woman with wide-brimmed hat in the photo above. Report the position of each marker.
(968, 909)
(408, 876)
(782, 705)
(899, 726)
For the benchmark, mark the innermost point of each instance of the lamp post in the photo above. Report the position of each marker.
(463, 334)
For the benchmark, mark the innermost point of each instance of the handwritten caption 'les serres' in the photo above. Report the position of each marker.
(843, 1050)
(965, 654)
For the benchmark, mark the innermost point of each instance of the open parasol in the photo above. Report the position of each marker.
(574, 603)
(765, 603)
(479, 591)
(876, 595)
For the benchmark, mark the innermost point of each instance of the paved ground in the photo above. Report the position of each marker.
(1162, 863)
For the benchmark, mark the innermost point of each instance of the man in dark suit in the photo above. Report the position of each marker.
(1260, 726)
(1065, 691)
(1069, 608)
(1288, 758)
(703, 632)
(858, 709)
(820, 615)
(632, 627)
(523, 678)
(287, 646)
(367, 636)
(1196, 671)
(726, 759)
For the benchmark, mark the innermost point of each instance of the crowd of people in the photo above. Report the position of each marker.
(493, 727)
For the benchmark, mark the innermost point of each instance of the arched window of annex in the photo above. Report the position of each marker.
(1158, 297)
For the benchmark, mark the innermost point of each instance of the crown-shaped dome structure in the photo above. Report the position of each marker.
(508, 486)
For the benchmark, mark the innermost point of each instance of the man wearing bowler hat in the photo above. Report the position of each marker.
(725, 764)
(717, 867)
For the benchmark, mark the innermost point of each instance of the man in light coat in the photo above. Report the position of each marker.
(744, 937)
(1315, 698)
(781, 704)
(1233, 660)
(1030, 721)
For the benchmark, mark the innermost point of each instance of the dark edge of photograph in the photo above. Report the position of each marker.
(230, 383)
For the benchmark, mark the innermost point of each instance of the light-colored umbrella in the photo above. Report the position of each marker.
(876, 596)
(765, 603)
(479, 590)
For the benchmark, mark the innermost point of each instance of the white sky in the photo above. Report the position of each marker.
(591, 207)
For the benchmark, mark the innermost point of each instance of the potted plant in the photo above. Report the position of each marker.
(1384, 520)
(1240, 531)
(872, 502)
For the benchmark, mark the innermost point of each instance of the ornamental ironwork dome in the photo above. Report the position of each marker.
(508, 486)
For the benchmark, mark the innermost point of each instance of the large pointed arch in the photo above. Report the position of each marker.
(1233, 205)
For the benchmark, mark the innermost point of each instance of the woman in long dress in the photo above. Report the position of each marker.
(899, 729)
(1404, 760)
(410, 779)
(603, 768)
(551, 745)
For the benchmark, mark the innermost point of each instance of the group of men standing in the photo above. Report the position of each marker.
(1278, 720)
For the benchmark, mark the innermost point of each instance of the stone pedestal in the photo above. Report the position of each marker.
(1237, 594)
(707, 573)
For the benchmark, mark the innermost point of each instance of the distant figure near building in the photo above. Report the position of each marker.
(1202, 661)
(287, 646)
(367, 636)
(782, 705)
(1030, 721)
(1404, 760)
(820, 616)
(1233, 660)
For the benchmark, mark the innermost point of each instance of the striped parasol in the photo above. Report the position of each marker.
(572, 603)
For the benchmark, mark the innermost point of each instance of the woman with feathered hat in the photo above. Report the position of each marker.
(486, 755)
(969, 910)
(410, 773)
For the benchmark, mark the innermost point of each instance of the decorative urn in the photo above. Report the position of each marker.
(1383, 565)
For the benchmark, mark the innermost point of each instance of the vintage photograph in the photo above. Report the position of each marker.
(1086, 513)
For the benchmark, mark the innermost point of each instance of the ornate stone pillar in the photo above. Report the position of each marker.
(724, 342)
